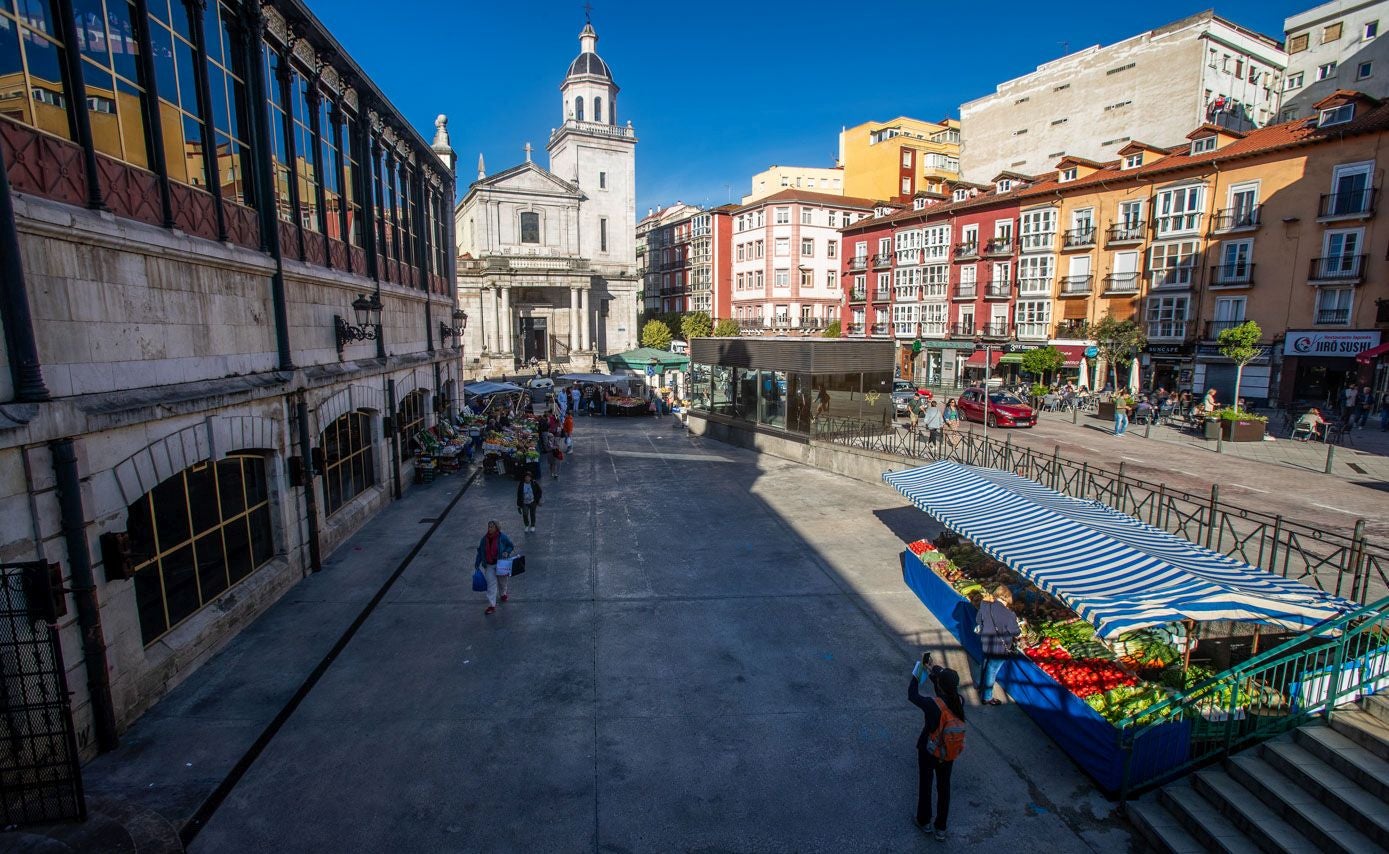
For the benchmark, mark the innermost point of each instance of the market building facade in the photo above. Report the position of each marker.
(228, 313)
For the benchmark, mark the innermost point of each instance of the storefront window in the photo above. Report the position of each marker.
(31, 68)
(745, 400)
(349, 467)
(409, 421)
(772, 394)
(699, 390)
(198, 533)
(721, 396)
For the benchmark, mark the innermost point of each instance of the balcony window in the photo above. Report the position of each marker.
(1351, 192)
(1178, 211)
(1038, 230)
(1167, 317)
(1035, 275)
(1033, 318)
(1076, 285)
(1333, 306)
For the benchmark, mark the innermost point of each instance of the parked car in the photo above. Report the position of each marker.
(1004, 410)
(902, 391)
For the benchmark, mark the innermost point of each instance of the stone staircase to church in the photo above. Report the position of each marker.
(1322, 787)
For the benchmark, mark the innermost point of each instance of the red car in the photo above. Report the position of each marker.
(1005, 410)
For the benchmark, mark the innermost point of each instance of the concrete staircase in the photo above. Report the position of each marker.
(1319, 788)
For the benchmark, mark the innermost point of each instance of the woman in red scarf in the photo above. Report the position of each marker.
(493, 546)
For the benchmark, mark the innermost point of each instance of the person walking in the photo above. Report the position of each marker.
(913, 412)
(1348, 396)
(494, 546)
(528, 495)
(1121, 414)
(951, 416)
(934, 421)
(550, 447)
(574, 398)
(568, 428)
(939, 745)
(1365, 401)
(998, 630)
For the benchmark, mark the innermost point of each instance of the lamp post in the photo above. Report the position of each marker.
(988, 375)
(367, 311)
(460, 325)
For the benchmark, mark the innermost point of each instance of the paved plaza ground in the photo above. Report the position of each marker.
(709, 652)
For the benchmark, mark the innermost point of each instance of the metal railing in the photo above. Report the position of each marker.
(882, 260)
(999, 246)
(1351, 203)
(1337, 268)
(1126, 232)
(1234, 219)
(1121, 283)
(994, 330)
(1215, 327)
(1272, 692)
(1073, 329)
(858, 263)
(1344, 565)
(1075, 285)
(1000, 289)
(966, 250)
(1232, 274)
(1076, 237)
(966, 290)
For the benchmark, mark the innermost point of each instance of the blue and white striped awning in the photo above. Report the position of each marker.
(1114, 571)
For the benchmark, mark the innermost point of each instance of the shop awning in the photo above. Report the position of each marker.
(1116, 572)
(484, 387)
(638, 359)
(590, 378)
(1371, 354)
(1011, 359)
(976, 359)
(1073, 353)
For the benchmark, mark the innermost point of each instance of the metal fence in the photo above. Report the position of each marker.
(1349, 566)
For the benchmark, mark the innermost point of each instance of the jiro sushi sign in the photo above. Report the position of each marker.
(1316, 343)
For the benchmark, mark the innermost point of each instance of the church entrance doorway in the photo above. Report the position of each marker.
(534, 340)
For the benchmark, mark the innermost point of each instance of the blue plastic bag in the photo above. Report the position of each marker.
(479, 581)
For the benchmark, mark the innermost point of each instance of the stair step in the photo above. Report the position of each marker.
(1364, 729)
(1246, 811)
(1363, 809)
(1302, 808)
(1161, 829)
(1362, 767)
(1202, 820)
(1377, 705)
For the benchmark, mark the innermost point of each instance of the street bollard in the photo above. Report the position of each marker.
(1075, 414)
(1330, 456)
(1148, 429)
(1220, 442)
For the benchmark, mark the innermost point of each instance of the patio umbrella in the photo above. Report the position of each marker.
(1084, 381)
(1133, 375)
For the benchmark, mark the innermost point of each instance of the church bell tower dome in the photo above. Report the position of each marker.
(589, 93)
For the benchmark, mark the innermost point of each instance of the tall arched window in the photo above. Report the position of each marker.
(349, 468)
(410, 421)
(530, 227)
(196, 534)
(597, 109)
(579, 108)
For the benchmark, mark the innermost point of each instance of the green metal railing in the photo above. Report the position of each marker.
(1277, 690)
(1353, 567)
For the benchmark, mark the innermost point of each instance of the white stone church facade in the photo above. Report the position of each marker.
(547, 258)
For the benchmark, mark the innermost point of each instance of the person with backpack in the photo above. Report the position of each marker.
(998, 630)
(941, 742)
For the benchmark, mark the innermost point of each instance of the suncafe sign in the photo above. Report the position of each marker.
(1335, 344)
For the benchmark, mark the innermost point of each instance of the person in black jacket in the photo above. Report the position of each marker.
(527, 499)
(947, 691)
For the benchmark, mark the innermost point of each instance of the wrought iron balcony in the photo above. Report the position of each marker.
(858, 295)
(1236, 219)
(1333, 316)
(882, 294)
(1232, 275)
(999, 246)
(966, 290)
(855, 328)
(998, 289)
(1126, 232)
(882, 260)
(1337, 270)
(858, 263)
(1215, 327)
(1352, 204)
(994, 330)
(966, 250)
(1078, 238)
(1073, 329)
(1076, 286)
(1121, 283)
(961, 330)
(880, 329)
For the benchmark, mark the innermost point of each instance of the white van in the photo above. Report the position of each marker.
(541, 382)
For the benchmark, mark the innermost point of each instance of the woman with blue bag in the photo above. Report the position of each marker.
(493, 548)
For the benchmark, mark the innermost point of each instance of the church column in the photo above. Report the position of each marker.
(574, 341)
(504, 322)
(585, 335)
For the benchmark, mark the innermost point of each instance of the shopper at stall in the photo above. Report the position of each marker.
(941, 740)
(552, 452)
(998, 630)
(527, 500)
(494, 546)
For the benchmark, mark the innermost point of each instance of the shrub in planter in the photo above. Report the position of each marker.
(1240, 426)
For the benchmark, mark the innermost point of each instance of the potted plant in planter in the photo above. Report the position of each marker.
(1239, 426)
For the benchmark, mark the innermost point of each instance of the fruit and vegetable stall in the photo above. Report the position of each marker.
(1109, 609)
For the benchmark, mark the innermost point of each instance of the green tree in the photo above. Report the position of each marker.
(726, 328)
(1240, 344)
(1118, 342)
(1043, 361)
(832, 330)
(655, 334)
(696, 324)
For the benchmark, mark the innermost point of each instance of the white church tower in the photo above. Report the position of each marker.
(598, 155)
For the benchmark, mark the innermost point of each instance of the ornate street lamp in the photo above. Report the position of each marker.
(368, 315)
(460, 325)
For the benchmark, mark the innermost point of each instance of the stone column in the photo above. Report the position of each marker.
(585, 311)
(574, 342)
(504, 322)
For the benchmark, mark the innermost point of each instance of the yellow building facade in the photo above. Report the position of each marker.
(895, 159)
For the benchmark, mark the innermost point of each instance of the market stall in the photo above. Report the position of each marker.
(485, 396)
(512, 449)
(1111, 607)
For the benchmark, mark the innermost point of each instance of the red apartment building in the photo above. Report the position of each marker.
(686, 261)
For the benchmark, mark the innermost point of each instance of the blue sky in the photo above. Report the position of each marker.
(719, 90)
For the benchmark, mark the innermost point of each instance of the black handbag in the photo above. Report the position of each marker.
(518, 565)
